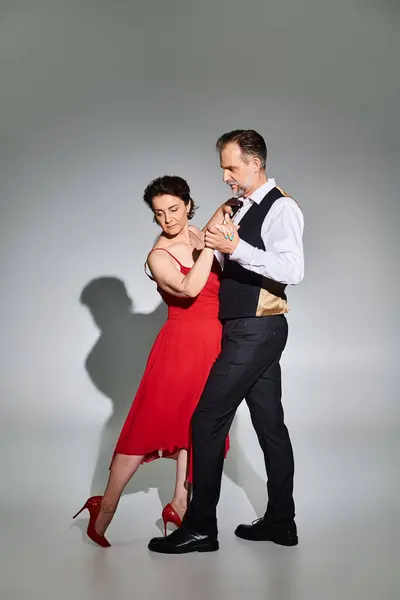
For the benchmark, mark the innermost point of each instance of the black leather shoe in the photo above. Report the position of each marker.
(182, 541)
(284, 534)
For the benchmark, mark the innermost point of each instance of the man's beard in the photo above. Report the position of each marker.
(239, 192)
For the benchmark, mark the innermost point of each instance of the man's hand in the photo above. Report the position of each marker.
(224, 238)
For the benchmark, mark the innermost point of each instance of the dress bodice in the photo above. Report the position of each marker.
(203, 306)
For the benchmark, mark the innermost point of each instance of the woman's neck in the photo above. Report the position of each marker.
(183, 237)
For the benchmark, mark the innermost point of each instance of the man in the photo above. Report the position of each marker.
(258, 263)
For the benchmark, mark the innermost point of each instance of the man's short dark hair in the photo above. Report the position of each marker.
(250, 142)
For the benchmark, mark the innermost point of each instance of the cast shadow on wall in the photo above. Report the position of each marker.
(115, 365)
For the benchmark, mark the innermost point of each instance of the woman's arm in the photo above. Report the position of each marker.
(172, 281)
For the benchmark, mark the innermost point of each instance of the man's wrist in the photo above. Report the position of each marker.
(243, 252)
(236, 242)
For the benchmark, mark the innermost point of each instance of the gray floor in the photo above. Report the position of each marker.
(346, 492)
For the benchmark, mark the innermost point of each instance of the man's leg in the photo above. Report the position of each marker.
(264, 401)
(267, 415)
(248, 350)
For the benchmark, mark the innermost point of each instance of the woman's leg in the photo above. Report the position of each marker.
(122, 468)
(181, 492)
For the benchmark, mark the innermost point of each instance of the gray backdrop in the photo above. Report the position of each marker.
(96, 99)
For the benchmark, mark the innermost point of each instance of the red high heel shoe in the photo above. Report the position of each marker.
(169, 515)
(93, 505)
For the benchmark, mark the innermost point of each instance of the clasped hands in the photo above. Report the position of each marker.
(223, 237)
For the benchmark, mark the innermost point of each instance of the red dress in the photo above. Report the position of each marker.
(158, 423)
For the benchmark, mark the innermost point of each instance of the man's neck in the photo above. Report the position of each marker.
(261, 180)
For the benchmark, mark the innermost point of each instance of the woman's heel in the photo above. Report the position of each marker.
(93, 505)
(169, 515)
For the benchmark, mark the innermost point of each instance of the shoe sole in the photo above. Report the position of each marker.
(210, 547)
(281, 540)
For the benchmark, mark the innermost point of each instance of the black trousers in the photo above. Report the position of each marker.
(247, 367)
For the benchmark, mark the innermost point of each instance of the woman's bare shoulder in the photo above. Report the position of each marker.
(196, 231)
(160, 244)
(199, 236)
(155, 257)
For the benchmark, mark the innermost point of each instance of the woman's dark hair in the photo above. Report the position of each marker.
(170, 185)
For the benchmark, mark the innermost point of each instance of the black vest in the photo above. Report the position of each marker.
(242, 292)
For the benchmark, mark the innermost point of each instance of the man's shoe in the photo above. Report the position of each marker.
(182, 541)
(284, 534)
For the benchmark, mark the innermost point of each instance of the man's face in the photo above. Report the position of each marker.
(239, 172)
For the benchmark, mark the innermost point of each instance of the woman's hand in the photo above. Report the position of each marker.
(224, 210)
(227, 206)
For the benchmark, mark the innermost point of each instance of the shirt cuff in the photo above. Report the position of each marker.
(243, 253)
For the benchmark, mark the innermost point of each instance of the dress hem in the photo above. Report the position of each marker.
(154, 454)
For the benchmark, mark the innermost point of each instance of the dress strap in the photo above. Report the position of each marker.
(174, 257)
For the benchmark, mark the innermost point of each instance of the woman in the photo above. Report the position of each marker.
(187, 276)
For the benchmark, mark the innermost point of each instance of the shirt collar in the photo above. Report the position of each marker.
(262, 191)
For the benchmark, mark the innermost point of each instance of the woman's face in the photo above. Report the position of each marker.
(170, 213)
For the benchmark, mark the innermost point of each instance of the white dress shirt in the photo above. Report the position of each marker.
(282, 234)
